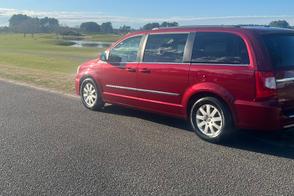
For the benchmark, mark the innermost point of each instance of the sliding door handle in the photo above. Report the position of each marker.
(130, 69)
(145, 70)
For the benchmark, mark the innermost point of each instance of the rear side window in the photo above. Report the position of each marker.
(165, 48)
(219, 48)
(281, 50)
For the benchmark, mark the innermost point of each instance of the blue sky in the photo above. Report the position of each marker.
(138, 12)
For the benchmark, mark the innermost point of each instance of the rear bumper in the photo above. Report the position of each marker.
(261, 116)
(288, 121)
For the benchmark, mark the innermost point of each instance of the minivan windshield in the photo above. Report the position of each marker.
(281, 50)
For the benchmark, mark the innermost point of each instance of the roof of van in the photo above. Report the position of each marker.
(256, 29)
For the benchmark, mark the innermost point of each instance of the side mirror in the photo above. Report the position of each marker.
(104, 56)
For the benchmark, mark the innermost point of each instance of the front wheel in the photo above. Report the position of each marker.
(211, 119)
(91, 95)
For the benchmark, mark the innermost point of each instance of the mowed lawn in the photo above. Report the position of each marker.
(40, 61)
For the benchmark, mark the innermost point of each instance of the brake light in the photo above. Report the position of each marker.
(266, 85)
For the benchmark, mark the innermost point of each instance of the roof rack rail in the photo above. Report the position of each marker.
(199, 26)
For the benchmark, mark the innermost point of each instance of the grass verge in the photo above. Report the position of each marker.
(40, 61)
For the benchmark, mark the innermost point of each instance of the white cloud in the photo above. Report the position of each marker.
(75, 18)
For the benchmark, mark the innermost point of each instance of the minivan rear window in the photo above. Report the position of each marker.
(281, 50)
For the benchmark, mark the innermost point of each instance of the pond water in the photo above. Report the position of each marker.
(88, 44)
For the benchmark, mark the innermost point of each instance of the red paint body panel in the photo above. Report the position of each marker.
(119, 76)
(165, 108)
(258, 115)
(173, 78)
(235, 85)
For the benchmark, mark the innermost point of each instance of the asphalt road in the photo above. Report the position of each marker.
(51, 145)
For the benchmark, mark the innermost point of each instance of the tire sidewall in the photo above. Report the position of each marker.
(98, 102)
(225, 115)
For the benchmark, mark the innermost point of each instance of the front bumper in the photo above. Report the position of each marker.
(77, 85)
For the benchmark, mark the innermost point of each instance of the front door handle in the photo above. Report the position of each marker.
(130, 69)
(145, 70)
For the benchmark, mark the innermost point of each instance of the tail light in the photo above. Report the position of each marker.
(266, 85)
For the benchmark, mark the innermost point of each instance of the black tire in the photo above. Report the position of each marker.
(213, 130)
(98, 103)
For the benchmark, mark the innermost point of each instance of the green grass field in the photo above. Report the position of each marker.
(40, 61)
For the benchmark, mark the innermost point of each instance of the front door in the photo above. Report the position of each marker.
(119, 72)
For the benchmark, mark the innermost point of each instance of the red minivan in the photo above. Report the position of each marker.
(218, 78)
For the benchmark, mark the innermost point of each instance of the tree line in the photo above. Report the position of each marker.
(30, 25)
(20, 23)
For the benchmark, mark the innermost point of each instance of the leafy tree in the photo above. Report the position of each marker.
(169, 24)
(90, 27)
(5, 29)
(17, 20)
(125, 29)
(106, 27)
(25, 24)
(151, 26)
(280, 24)
(29, 26)
(49, 25)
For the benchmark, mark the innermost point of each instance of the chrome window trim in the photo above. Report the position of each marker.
(163, 63)
(168, 33)
(291, 116)
(142, 90)
(289, 126)
(208, 64)
(143, 47)
(133, 62)
(285, 80)
(222, 64)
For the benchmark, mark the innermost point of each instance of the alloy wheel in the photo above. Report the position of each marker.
(209, 120)
(89, 94)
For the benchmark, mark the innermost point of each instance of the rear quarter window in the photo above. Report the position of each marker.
(219, 48)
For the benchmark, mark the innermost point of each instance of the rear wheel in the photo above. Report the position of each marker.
(91, 95)
(211, 119)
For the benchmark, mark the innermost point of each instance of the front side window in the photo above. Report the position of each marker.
(126, 51)
(167, 48)
(219, 48)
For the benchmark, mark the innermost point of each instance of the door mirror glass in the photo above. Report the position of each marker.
(104, 56)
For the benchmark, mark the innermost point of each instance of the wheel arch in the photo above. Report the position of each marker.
(86, 76)
(208, 90)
